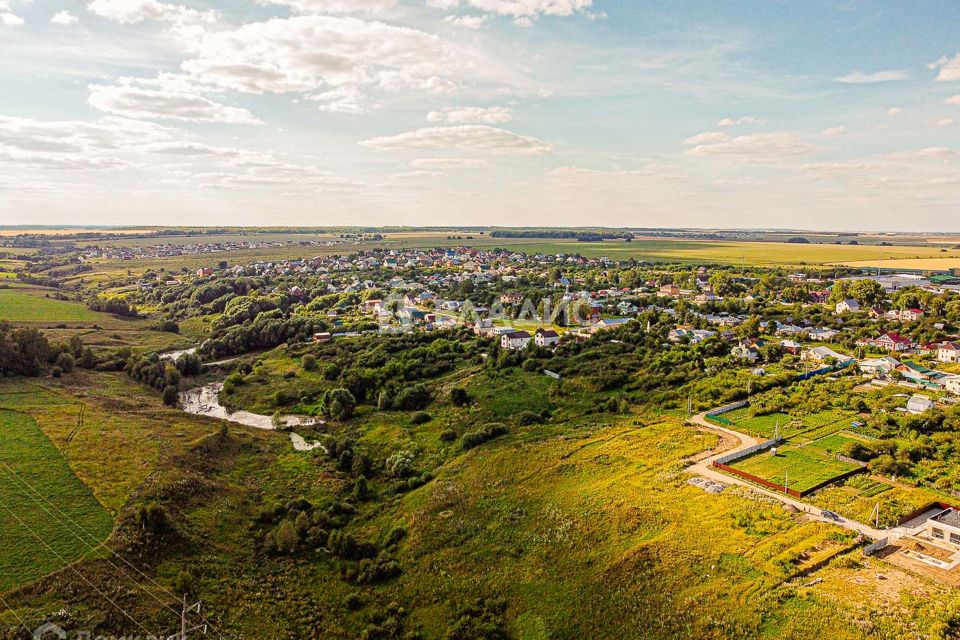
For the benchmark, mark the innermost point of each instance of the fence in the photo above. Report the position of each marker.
(749, 451)
(760, 481)
(714, 416)
(873, 547)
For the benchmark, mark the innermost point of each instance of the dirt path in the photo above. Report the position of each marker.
(704, 467)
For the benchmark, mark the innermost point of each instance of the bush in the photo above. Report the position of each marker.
(170, 395)
(66, 362)
(56, 372)
(473, 439)
(448, 435)
(460, 397)
(309, 362)
(526, 418)
(420, 417)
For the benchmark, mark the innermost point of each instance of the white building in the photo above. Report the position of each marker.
(848, 306)
(948, 352)
(546, 337)
(952, 385)
(919, 404)
(515, 340)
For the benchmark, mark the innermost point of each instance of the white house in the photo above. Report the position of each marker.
(819, 354)
(546, 337)
(944, 526)
(919, 403)
(515, 340)
(878, 366)
(848, 306)
(948, 352)
(952, 385)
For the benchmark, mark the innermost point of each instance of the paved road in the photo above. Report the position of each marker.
(704, 468)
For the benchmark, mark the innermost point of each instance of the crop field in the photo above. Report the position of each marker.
(19, 305)
(802, 467)
(923, 264)
(48, 517)
(727, 252)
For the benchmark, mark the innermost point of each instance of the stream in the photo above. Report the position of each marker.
(205, 401)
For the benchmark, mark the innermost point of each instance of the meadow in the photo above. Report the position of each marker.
(33, 306)
(48, 517)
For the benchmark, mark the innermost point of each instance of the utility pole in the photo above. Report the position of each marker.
(786, 482)
(184, 612)
(876, 516)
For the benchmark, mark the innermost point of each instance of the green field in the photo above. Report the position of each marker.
(803, 468)
(47, 516)
(18, 305)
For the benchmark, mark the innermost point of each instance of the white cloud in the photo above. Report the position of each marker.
(134, 11)
(952, 100)
(757, 147)
(465, 138)
(307, 53)
(858, 77)
(894, 111)
(949, 68)
(189, 149)
(74, 144)
(834, 131)
(444, 164)
(730, 122)
(10, 19)
(64, 18)
(532, 8)
(443, 4)
(345, 99)
(467, 22)
(164, 104)
(707, 137)
(468, 115)
(945, 122)
(333, 6)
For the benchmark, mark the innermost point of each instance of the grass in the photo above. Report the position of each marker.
(48, 516)
(801, 467)
(22, 305)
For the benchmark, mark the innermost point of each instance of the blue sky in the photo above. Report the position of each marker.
(810, 115)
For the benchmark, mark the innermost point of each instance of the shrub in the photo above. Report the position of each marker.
(66, 362)
(488, 432)
(338, 404)
(170, 395)
(420, 417)
(448, 435)
(460, 397)
(309, 362)
(526, 418)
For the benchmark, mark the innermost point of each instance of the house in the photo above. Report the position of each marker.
(944, 526)
(609, 323)
(370, 306)
(911, 315)
(483, 326)
(878, 366)
(322, 337)
(952, 384)
(512, 297)
(848, 306)
(746, 350)
(919, 404)
(669, 291)
(515, 340)
(546, 337)
(948, 352)
(204, 272)
(893, 342)
(820, 354)
(791, 346)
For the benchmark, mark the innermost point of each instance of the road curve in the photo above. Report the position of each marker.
(706, 469)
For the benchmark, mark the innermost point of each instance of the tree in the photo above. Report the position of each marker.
(170, 395)
(66, 362)
(309, 362)
(722, 283)
(338, 404)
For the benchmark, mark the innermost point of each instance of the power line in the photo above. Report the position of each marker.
(72, 567)
(23, 481)
(19, 619)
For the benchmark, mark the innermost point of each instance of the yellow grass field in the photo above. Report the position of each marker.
(931, 264)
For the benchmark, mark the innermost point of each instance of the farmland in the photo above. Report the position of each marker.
(48, 516)
(20, 305)
(797, 468)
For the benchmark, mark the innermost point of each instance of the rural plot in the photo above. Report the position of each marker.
(48, 517)
(800, 468)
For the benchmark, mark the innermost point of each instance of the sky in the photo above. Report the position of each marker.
(820, 114)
